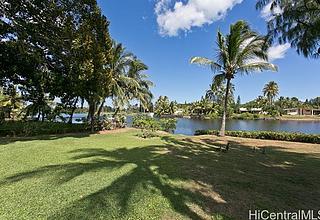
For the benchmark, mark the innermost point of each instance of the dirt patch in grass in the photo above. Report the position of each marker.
(258, 143)
(117, 131)
(228, 184)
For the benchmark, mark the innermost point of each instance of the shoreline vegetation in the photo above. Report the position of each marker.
(251, 117)
(149, 128)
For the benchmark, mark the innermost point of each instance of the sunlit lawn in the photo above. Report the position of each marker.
(121, 176)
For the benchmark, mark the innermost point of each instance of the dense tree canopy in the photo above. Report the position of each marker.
(61, 50)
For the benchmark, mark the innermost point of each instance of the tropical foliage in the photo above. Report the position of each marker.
(150, 125)
(59, 55)
(295, 21)
(11, 104)
(32, 128)
(271, 90)
(242, 51)
(164, 106)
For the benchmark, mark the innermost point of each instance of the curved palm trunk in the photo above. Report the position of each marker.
(43, 115)
(74, 107)
(39, 114)
(223, 123)
(100, 108)
(116, 112)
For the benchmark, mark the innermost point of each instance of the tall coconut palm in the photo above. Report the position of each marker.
(141, 89)
(242, 51)
(118, 80)
(125, 79)
(271, 90)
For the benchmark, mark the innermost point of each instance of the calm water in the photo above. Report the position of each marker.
(189, 126)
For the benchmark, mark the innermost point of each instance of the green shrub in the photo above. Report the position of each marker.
(32, 128)
(120, 121)
(269, 135)
(109, 123)
(149, 125)
(145, 122)
(168, 124)
(246, 116)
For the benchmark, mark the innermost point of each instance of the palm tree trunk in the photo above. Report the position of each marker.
(92, 110)
(101, 107)
(43, 115)
(72, 110)
(225, 108)
(116, 112)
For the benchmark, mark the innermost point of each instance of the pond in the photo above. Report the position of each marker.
(188, 126)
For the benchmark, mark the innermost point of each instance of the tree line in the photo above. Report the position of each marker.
(211, 104)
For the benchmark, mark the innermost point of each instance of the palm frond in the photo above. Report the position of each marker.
(219, 79)
(257, 66)
(206, 62)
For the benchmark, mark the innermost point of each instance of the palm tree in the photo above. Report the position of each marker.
(242, 51)
(116, 79)
(162, 106)
(214, 91)
(11, 102)
(125, 80)
(271, 90)
(140, 90)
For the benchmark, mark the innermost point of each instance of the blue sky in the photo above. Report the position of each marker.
(165, 34)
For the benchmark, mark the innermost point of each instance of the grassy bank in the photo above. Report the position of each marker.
(120, 176)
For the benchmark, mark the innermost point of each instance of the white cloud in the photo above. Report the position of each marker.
(174, 16)
(278, 51)
(269, 14)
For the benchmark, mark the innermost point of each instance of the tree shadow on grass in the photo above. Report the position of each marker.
(8, 140)
(213, 182)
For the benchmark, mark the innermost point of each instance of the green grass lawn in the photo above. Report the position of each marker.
(121, 176)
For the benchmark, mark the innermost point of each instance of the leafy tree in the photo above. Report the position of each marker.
(238, 104)
(203, 107)
(93, 45)
(315, 102)
(259, 102)
(271, 90)
(216, 95)
(216, 91)
(162, 106)
(62, 49)
(242, 51)
(297, 22)
(287, 102)
(172, 107)
(40, 44)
